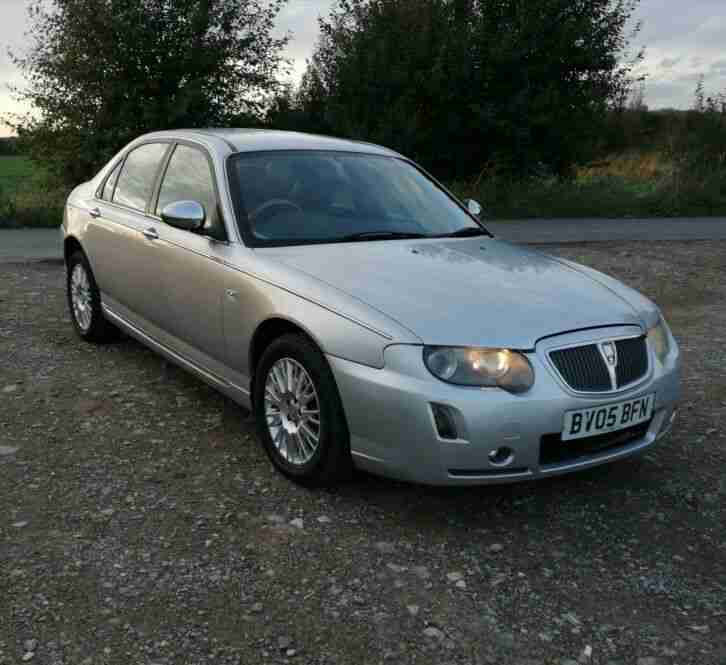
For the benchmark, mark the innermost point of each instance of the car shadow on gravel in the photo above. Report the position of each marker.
(472, 504)
(633, 474)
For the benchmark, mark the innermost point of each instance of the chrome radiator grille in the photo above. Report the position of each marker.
(603, 367)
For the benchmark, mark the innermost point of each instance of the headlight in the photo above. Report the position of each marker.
(660, 339)
(500, 368)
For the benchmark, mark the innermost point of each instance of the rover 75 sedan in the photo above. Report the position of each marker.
(362, 312)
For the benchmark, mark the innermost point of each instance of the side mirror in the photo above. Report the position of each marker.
(473, 207)
(185, 215)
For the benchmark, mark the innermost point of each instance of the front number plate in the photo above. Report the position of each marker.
(607, 418)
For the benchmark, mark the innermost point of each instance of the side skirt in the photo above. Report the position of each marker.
(231, 390)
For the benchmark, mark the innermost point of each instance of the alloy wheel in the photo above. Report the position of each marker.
(81, 297)
(292, 411)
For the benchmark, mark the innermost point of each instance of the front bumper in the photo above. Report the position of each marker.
(393, 432)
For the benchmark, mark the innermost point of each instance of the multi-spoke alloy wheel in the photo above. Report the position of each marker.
(292, 410)
(81, 297)
(298, 412)
(84, 301)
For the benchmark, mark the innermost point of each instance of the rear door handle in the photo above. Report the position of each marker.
(151, 233)
(94, 212)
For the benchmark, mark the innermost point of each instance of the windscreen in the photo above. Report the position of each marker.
(310, 197)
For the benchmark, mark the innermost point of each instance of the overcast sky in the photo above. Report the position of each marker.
(683, 39)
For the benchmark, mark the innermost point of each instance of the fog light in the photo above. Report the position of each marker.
(501, 456)
(445, 423)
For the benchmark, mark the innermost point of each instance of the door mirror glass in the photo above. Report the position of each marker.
(185, 215)
(473, 207)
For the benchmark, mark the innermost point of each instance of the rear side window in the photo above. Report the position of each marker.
(107, 193)
(188, 178)
(136, 181)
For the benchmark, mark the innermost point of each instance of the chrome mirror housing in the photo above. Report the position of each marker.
(186, 215)
(473, 207)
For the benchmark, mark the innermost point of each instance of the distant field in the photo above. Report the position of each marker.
(14, 172)
(25, 199)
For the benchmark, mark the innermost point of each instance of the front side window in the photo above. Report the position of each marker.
(299, 197)
(136, 180)
(188, 178)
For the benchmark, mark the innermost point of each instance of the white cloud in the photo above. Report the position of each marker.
(668, 63)
(683, 41)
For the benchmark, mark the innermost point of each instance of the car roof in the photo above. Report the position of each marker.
(253, 140)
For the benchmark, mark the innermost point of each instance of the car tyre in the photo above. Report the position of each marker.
(84, 302)
(287, 437)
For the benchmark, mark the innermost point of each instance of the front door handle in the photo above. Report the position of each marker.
(94, 212)
(151, 233)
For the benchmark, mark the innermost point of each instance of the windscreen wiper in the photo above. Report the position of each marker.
(467, 232)
(382, 235)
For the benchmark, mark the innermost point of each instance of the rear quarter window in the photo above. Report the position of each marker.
(110, 184)
(136, 180)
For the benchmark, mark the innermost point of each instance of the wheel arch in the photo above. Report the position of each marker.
(268, 331)
(71, 244)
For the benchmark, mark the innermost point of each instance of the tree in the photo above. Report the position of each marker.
(100, 72)
(460, 83)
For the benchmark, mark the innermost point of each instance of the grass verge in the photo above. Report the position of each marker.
(632, 185)
(26, 198)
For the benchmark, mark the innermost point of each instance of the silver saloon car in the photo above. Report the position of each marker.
(363, 313)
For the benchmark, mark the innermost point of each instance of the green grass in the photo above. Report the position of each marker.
(15, 171)
(25, 198)
(633, 184)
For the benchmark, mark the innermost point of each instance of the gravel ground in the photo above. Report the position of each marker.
(140, 522)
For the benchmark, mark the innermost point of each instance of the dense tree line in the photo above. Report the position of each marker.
(516, 86)
(519, 85)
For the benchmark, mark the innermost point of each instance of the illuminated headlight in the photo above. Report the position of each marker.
(660, 339)
(500, 368)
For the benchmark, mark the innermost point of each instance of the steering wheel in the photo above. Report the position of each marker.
(272, 203)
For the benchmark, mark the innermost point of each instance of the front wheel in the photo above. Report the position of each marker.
(84, 301)
(299, 415)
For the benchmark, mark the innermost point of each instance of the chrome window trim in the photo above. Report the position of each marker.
(623, 389)
(122, 161)
(98, 193)
(230, 228)
(123, 208)
(164, 169)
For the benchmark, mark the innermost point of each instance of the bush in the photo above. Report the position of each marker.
(661, 189)
(31, 201)
(39, 207)
(7, 208)
(8, 145)
(657, 164)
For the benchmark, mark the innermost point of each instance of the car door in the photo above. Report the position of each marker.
(120, 238)
(194, 274)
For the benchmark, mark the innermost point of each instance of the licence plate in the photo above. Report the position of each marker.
(607, 418)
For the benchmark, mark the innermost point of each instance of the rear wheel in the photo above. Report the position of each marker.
(84, 301)
(299, 415)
